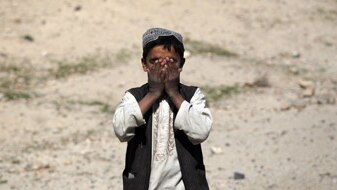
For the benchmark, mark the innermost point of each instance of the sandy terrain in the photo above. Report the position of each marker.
(268, 68)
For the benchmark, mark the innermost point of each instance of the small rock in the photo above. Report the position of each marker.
(285, 106)
(295, 54)
(272, 186)
(239, 176)
(44, 53)
(261, 81)
(28, 38)
(308, 92)
(30, 167)
(305, 84)
(3, 55)
(17, 21)
(216, 150)
(15, 161)
(78, 8)
(68, 162)
(308, 88)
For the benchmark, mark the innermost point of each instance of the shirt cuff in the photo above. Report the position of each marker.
(137, 114)
(179, 121)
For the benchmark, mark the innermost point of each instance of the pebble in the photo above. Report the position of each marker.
(305, 83)
(261, 81)
(44, 53)
(216, 150)
(295, 54)
(308, 92)
(78, 8)
(308, 88)
(28, 38)
(4, 55)
(239, 176)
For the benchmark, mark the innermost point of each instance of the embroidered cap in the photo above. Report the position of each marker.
(153, 34)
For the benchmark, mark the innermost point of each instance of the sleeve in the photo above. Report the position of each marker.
(194, 118)
(127, 117)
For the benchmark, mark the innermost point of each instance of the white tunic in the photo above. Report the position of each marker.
(193, 117)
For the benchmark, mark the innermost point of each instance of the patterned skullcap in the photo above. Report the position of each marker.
(153, 34)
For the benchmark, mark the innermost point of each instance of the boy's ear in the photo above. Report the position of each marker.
(144, 65)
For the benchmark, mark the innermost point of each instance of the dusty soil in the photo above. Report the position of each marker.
(268, 68)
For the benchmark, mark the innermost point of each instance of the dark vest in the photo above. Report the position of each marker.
(136, 174)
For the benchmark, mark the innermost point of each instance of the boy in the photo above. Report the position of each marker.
(163, 121)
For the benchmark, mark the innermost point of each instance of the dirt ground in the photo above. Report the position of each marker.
(268, 69)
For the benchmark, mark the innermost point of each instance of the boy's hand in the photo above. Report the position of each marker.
(172, 78)
(156, 76)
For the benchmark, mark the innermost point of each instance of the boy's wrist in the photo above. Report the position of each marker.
(176, 98)
(172, 93)
(155, 94)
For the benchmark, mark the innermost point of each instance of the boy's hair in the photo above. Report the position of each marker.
(168, 42)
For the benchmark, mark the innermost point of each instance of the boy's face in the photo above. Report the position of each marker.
(159, 55)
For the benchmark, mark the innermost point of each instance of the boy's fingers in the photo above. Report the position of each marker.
(171, 61)
(161, 72)
(173, 68)
(163, 75)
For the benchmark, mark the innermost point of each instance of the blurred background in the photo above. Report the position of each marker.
(267, 67)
